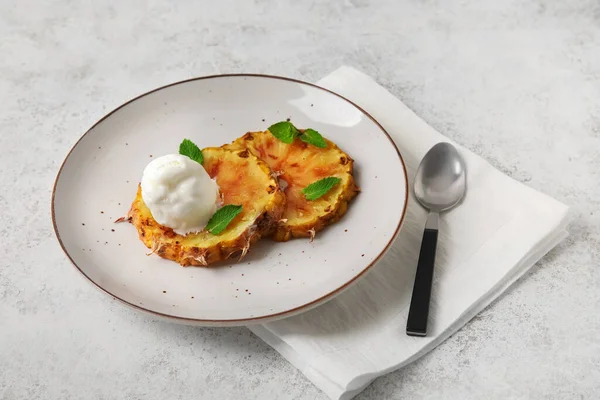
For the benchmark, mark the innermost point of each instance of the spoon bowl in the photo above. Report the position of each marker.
(441, 180)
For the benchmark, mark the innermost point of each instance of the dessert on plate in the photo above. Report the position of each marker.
(208, 212)
(200, 207)
(300, 158)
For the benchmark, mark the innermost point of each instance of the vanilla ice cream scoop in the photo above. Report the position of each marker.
(179, 193)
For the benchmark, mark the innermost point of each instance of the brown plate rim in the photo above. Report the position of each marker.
(261, 318)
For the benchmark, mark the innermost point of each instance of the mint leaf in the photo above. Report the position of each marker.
(223, 217)
(313, 137)
(284, 131)
(189, 149)
(320, 187)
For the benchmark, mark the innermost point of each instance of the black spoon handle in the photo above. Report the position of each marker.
(419, 303)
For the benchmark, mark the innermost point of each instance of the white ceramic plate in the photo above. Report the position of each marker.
(99, 177)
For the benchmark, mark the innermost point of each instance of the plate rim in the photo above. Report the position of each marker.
(251, 320)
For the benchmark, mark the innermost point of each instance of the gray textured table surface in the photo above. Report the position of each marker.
(517, 82)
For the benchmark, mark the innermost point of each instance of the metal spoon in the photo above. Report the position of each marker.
(439, 185)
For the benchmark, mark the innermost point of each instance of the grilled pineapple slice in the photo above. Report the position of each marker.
(243, 179)
(297, 165)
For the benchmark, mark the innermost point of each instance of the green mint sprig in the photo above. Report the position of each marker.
(287, 133)
(319, 188)
(223, 217)
(284, 131)
(313, 137)
(189, 149)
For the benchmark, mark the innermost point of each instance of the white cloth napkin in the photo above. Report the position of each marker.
(500, 230)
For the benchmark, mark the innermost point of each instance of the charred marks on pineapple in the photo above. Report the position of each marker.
(269, 143)
(214, 169)
(249, 136)
(321, 172)
(264, 222)
(328, 208)
(271, 189)
(344, 160)
(197, 257)
(244, 154)
(168, 232)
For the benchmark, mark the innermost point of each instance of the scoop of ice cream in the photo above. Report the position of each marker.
(179, 193)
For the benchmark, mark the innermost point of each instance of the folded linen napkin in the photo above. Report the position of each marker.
(499, 231)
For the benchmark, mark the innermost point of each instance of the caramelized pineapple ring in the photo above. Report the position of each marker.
(297, 165)
(243, 179)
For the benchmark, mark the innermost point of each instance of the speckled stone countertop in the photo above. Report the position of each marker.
(516, 82)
